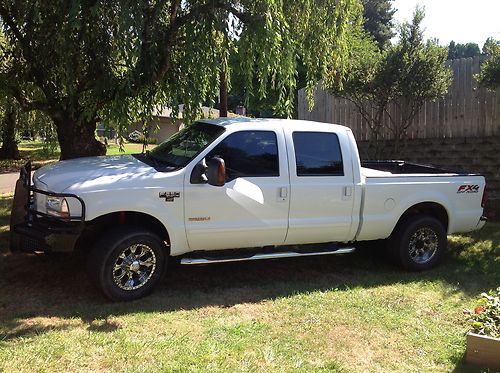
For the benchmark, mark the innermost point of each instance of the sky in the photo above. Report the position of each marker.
(460, 20)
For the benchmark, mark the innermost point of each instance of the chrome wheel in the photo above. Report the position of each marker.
(423, 245)
(134, 267)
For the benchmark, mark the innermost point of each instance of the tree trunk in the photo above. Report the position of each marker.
(223, 95)
(77, 138)
(9, 148)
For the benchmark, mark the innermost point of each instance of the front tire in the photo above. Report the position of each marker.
(418, 242)
(127, 263)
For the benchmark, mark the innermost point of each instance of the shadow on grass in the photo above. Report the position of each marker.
(57, 286)
(103, 326)
(31, 330)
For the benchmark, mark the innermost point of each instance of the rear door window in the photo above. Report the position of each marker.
(318, 154)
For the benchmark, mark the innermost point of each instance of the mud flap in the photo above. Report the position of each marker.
(18, 214)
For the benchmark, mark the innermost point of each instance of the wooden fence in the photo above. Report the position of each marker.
(466, 111)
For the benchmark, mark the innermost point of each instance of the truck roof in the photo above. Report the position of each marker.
(272, 122)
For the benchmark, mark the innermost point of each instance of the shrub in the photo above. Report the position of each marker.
(484, 319)
(139, 138)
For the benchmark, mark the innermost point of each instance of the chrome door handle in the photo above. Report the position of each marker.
(283, 192)
(347, 191)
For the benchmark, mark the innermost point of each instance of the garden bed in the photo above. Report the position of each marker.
(483, 350)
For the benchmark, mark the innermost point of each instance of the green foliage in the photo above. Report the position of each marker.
(24, 122)
(368, 81)
(457, 50)
(484, 319)
(421, 71)
(489, 76)
(39, 124)
(9, 149)
(34, 123)
(489, 45)
(255, 104)
(378, 20)
(81, 61)
(405, 74)
(319, 38)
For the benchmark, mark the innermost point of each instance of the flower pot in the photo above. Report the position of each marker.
(483, 350)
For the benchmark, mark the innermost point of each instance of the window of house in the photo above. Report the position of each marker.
(318, 154)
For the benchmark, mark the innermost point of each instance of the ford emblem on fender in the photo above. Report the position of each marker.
(169, 196)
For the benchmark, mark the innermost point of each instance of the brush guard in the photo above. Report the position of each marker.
(36, 231)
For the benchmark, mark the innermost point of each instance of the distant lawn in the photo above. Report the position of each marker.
(130, 148)
(350, 313)
(34, 151)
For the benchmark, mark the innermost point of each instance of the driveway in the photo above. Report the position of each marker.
(8, 182)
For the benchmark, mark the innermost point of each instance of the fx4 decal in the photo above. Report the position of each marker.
(468, 188)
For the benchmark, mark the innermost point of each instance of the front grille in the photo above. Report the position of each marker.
(31, 244)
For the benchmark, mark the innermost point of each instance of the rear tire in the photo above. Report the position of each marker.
(127, 263)
(418, 242)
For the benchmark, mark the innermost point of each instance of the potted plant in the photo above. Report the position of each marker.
(483, 339)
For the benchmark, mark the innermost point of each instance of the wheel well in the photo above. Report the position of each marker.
(94, 229)
(430, 209)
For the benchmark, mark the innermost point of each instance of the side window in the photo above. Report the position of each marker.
(318, 154)
(249, 154)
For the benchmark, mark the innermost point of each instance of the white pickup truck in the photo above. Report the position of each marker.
(238, 189)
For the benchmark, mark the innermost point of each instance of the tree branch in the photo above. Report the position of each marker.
(168, 41)
(9, 21)
(177, 22)
(37, 73)
(28, 105)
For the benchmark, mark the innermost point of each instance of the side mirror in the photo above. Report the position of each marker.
(216, 171)
(198, 176)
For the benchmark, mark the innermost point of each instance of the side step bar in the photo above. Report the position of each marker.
(277, 255)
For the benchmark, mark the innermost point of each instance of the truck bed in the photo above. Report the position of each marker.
(392, 186)
(395, 168)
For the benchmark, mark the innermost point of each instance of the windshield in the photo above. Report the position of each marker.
(179, 149)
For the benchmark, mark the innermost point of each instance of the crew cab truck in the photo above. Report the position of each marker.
(238, 189)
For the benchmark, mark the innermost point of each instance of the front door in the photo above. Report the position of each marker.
(251, 210)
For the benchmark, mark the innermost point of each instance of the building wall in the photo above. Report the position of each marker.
(478, 155)
(166, 128)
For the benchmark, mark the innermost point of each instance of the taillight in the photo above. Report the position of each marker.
(483, 200)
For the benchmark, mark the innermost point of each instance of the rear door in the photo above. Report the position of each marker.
(321, 179)
(251, 209)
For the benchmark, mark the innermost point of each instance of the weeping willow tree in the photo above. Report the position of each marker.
(82, 61)
(8, 122)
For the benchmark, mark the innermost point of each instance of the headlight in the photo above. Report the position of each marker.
(57, 206)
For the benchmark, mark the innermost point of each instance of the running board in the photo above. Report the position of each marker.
(278, 255)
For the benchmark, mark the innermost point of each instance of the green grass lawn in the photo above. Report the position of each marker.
(349, 313)
(34, 151)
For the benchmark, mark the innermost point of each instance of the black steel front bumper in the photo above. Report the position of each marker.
(32, 230)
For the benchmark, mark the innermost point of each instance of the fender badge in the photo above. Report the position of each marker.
(468, 188)
(169, 196)
(200, 218)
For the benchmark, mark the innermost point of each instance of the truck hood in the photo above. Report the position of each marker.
(91, 172)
